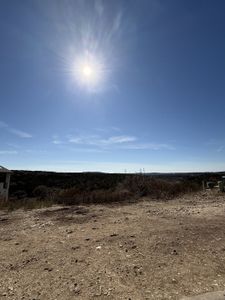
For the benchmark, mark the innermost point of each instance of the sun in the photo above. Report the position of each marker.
(90, 72)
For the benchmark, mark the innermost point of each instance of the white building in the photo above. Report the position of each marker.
(4, 183)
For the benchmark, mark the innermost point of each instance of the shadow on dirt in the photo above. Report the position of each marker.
(72, 214)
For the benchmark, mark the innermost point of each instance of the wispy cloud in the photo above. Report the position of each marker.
(15, 146)
(217, 144)
(20, 133)
(117, 142)
(17, 132)
(84, 139)
(98, 141)
(108, 129)
(99, 7)
(149, 146)
(86, 149)
(115, 128)
(56, 140)
(3, 124)
(121, 139)
(221, 149)
(117, 21)
(35, 151)
(8, 152)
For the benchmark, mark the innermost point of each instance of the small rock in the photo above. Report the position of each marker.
(113, 234)
(49, 269)
(138, 270)
(174, 280)
(76, 290)
(75, 247)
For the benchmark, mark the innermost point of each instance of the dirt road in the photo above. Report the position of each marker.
(146, 250)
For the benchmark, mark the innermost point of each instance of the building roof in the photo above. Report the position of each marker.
(4, 170)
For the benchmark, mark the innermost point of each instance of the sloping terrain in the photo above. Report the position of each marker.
(145, 250)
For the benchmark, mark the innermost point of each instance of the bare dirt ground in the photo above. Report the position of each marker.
(146, 250)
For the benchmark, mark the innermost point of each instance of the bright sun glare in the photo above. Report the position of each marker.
(89, 72)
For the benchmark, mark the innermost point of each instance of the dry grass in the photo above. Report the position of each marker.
(158, 188)
(26, 204)
(133, 187)
(73, 196)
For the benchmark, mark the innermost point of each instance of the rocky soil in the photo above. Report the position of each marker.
(145, 250)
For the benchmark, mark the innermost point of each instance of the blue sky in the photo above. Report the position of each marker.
(112, 85)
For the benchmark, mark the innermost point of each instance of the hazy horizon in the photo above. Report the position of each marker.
(111, 86)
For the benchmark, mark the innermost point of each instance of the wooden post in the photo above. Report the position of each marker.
(7, 183)
(203, 185)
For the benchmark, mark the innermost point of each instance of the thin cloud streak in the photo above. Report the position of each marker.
(220, 149)
(17, 132)
(56, 140)
(217, 144)
(20, 133)
(118, 142)
(2, 152)
(149, 146)
(3, 124)
(99, 7)
(69, 147)
(95, 140)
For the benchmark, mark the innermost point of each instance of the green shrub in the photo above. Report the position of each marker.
(158, 188)
(41, 192)
(20, 194)
(74, 196)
